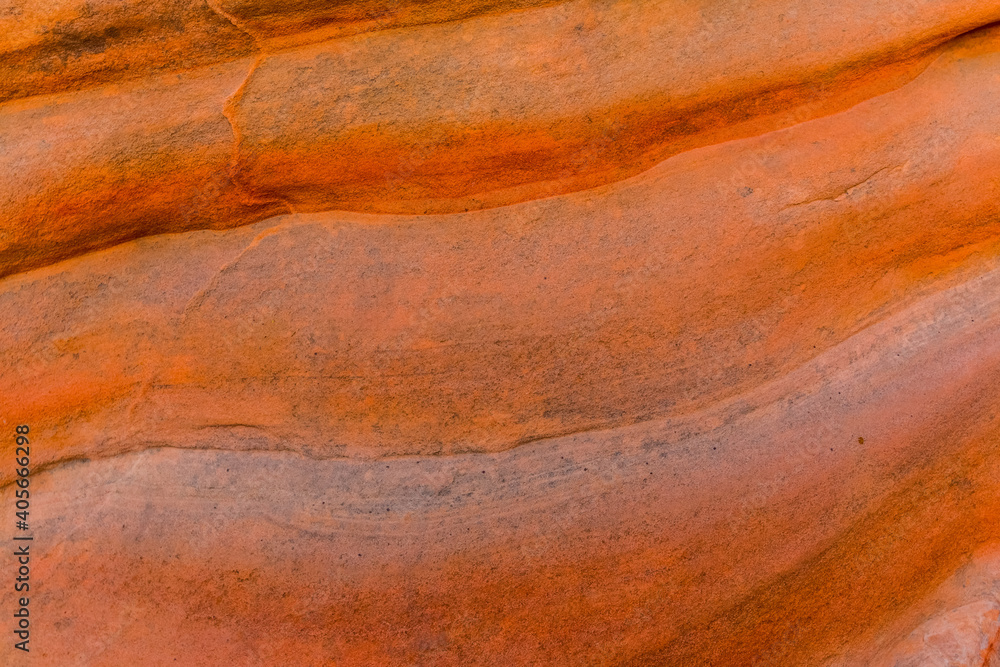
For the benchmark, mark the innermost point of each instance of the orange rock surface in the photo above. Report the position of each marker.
(503, 332)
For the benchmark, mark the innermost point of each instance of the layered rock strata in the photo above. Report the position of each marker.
(514, 332)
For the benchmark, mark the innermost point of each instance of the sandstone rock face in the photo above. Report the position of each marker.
(503, 332)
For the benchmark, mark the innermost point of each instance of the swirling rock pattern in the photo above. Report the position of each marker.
(504, 332)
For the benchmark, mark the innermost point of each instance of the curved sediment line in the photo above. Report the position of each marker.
(938, 335)
(903, 358)
(489, 329)
(247, 190)
(277, 174)
(641, 510)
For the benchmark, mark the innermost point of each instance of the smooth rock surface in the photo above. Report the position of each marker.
(427, 120)
(503, 332)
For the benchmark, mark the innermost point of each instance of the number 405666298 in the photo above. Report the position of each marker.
(22, 454)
